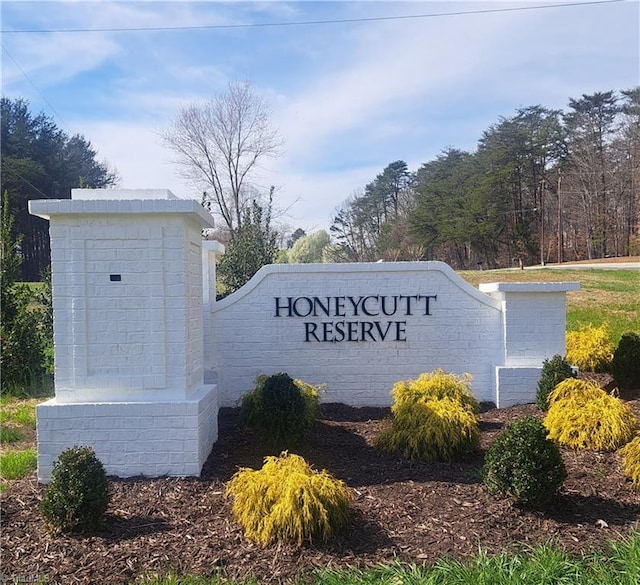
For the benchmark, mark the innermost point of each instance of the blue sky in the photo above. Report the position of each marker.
(348, 98)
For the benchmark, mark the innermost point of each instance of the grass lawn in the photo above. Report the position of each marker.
(17, 438)
(605, 296)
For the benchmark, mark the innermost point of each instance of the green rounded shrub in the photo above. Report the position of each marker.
(288, 501)
(432, 430)
(524, 464)
(625, 365)
(554, 371)
(280, 410)
(78, 495)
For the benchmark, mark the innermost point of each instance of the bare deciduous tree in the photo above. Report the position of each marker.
(220, 143)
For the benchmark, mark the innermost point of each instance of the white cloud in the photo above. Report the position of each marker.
(55, 62)
(348, 99)
(135, 151)
(385, 72)
(392, 71)
(53, 58)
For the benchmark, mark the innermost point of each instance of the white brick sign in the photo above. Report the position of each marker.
(144, 355)
(359, 328)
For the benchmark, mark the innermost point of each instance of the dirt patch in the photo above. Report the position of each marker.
(401, 511)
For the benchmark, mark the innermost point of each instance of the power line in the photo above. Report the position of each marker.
(17, 174)
(308, 22)
(35, 87)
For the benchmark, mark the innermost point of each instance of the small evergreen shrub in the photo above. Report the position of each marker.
(435, 385)
(590, 348)
(280, 410)
(625, 365)
(431, 430)
(288, 501)
(554, 371)
(524, 464)
(583, 416)
(78, 495)
(630, 454)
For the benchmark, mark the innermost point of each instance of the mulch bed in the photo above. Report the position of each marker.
(411, 512)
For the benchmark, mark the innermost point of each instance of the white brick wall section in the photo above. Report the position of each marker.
(152, 439)
(462, 334)
(516, 385)
(140, 338)
(467, 331)
(534, 325)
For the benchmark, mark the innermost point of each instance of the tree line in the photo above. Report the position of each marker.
(542, 186)
(41, 161)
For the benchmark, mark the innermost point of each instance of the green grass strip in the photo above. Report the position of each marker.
(618, 564)
(16, 464)
(20, 414)
(10, 435)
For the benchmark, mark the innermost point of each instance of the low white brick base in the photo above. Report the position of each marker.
(516, 385)
(135, 438)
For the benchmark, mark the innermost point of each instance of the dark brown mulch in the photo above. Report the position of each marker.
(405, 511)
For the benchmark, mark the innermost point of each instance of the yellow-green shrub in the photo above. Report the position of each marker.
(588, 417)
(431, 430)
(288, 501)
(434, 385)
(576, 388)
(630, 454)
(590, 348)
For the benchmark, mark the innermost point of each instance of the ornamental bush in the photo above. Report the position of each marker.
(572, 387)
(625, 365)
(288, 501)
(435, 385)
(439, 429)
(78, 495)
(523, 464)
(26, 333)
(280, 410)
(630, 454)
(583, 416)
(590, 348)
(554, 371)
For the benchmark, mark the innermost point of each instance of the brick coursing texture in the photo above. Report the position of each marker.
(466, 331)
(130, 328)
(128, 321)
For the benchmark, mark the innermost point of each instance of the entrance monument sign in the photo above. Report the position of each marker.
(145, 355)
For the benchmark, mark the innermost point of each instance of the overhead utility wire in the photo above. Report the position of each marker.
(17, 174)
(310, 22)
(35, 87)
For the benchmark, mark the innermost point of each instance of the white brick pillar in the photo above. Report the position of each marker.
(211, 251)
(128, 332)
(533, 329)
